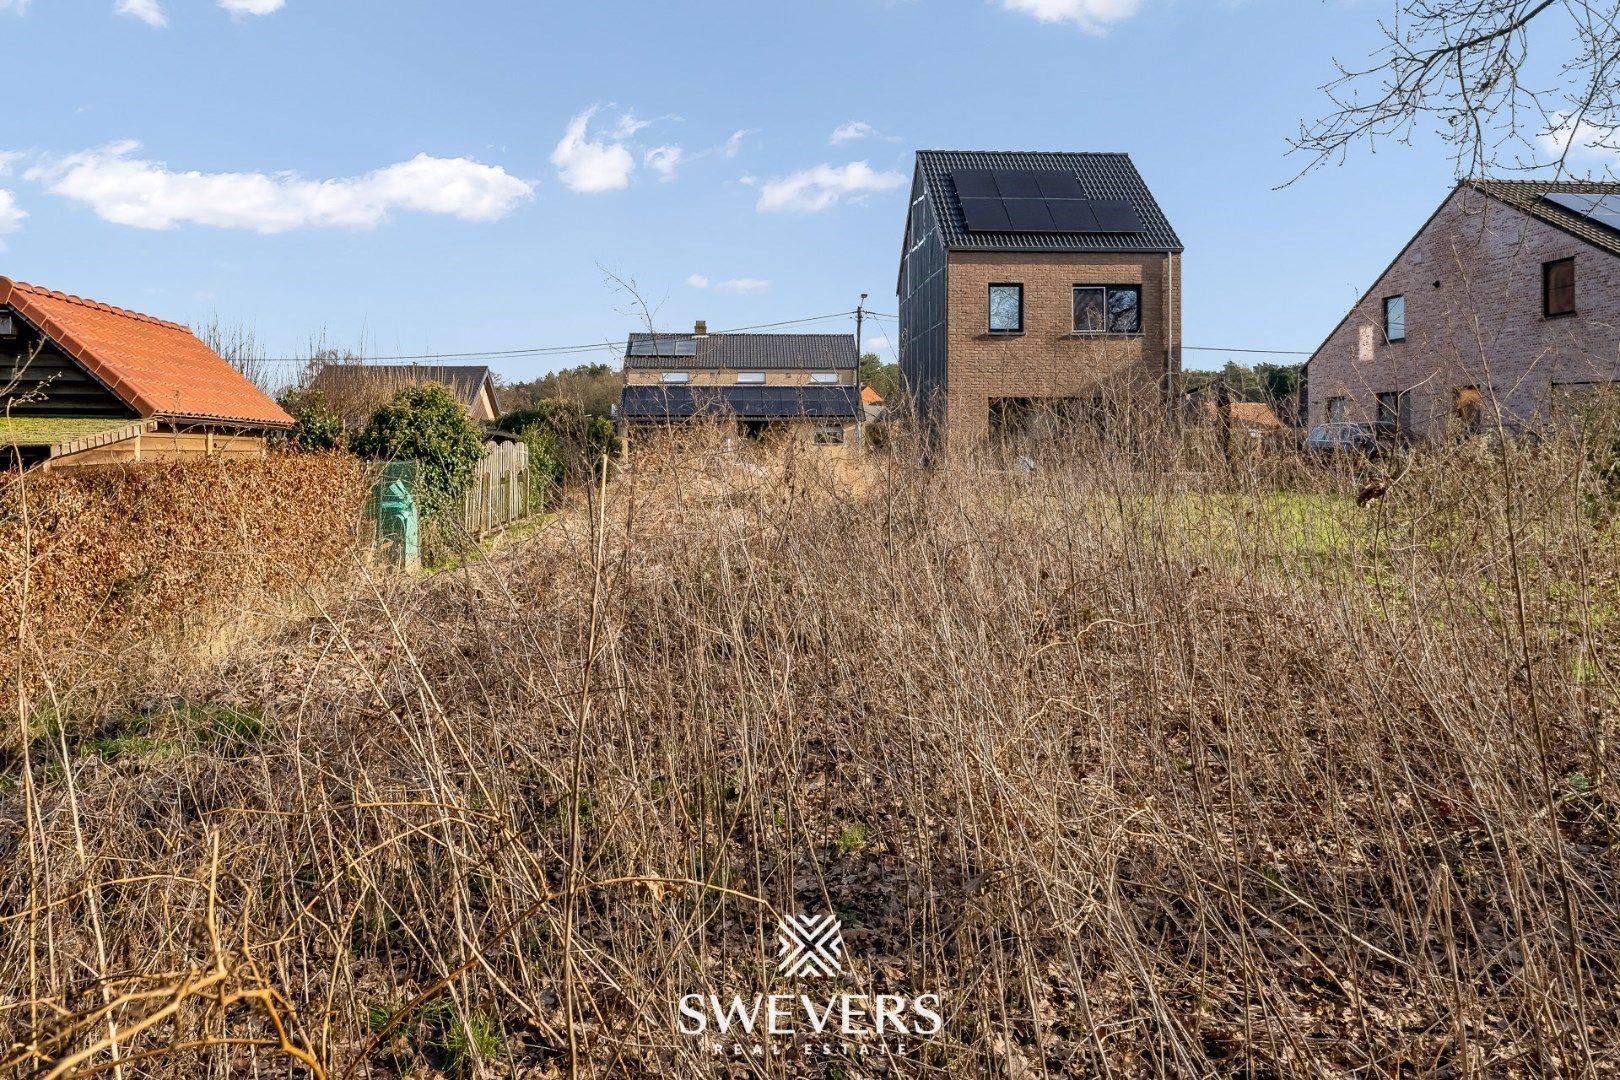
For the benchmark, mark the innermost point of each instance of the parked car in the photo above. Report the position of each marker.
(1364, 440)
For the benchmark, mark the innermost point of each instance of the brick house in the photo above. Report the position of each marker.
(83, 383)
(1506, 301)
(803, 386)
(1030, 279)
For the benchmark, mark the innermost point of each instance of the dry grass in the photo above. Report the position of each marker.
(1148, 770)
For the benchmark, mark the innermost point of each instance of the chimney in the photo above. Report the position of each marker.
(701, 329)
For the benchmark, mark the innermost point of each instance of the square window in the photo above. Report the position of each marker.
(675, 377)
(1006, 309)
(829, 436)
(1107, 309)
(1395, 318)
(751, 378)
(8, 325)
(1335, 410)
(1558, 288)
(824, 377)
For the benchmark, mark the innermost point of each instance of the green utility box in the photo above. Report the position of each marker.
(393, 514)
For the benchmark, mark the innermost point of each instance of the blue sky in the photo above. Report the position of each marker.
(419, 177)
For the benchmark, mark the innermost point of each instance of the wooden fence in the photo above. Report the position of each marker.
(500, 491)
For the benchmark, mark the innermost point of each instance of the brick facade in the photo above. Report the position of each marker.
(728, 376)
(1472, 283)
(1049, 360)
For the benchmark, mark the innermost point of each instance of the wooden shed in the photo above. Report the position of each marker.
(85, 383)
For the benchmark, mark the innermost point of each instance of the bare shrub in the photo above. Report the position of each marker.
(1149, 764)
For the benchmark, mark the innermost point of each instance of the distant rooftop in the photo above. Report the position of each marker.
(463, 380)
(819, 352)
(1536, 198)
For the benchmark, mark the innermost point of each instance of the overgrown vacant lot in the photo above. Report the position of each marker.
(1145, 770)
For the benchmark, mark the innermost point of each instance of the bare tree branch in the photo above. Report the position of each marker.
(1462, 68)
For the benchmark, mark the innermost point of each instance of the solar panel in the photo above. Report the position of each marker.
(975, 184)
(1603, 209)
(1028, 215)
(1018, 185)
(1116, 216)
(663, 347)
(1072, 215)
(1037, 201)
(985, 215)
(1058, 185)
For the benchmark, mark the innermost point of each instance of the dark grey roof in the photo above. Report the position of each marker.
(1529, 196)
(464, 380)
(1101, 176)
(751, 352)
(749, 402)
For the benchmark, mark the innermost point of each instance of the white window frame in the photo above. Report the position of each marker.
(751, 378)
(824, 378)
(675, 377)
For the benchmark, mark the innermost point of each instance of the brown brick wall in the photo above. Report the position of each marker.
(728, 376)
(1472, 282)
(1048, 360)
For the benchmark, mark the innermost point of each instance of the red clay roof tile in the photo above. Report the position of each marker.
(158, 368)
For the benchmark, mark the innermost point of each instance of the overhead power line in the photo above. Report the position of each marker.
(614, 347)
(1262, 352)
(545, 350)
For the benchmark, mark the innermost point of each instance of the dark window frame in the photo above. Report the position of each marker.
(1107, 291)
(1547, 311)
(989, 308)
(1343, 404)
(1401, 406)
(1388, 338)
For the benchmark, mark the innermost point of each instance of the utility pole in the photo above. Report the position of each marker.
(860, 317)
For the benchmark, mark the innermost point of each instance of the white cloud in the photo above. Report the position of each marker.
(743, 285)
(628, 127)
(252, 7)
(11, 215)
(855, 129)
(590, 166)
(664, 160)
(733, 144)
(19, 6)
(7, 158)
(129, 190)
(824, 186)
(1092, 16)
(731, 285)
(1584, 140)
(149, 12)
